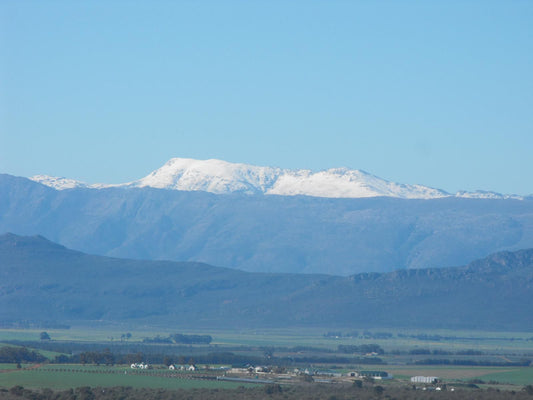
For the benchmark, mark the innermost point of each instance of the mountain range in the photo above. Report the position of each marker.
(261, 246)
(44, 281)
(222, 177)
(267, 233)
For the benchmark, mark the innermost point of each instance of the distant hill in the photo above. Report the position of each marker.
(259, 233)
(41, 280)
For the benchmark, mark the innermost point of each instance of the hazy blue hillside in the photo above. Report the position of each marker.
(267, 233)
(42, 281)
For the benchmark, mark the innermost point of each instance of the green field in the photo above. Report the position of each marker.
(491, 341)
(487, 342)
(47, 354)
(4, 366)
(515, 376)
(75, 334)
(507, 375)
(45, 378)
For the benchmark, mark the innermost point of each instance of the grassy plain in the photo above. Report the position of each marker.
(105, 377)
(6, 366)
(517, 376)
(290, 337)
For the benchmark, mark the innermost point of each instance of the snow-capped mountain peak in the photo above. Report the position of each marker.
(342, 182)
(222, 177)
(58, 183)
(214, 176)
(62, 183)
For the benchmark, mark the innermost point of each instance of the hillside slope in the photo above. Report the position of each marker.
(41, 280)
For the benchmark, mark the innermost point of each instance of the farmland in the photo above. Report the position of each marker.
(462, 359)
(71, 376)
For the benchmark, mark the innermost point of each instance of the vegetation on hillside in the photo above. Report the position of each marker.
(49, 282)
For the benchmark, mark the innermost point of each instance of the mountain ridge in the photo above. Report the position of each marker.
(267, 233)
(222, 177)
(45, 281)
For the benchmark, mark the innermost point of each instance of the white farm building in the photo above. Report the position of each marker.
(140, 366)
(424, 379)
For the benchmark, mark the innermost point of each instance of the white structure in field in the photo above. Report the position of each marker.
(374, 374)
(139, 366)
(190, 367)
(424, 379)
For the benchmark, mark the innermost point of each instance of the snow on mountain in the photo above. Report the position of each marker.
(213, 176)
(482, 194)
(58, 183)
(61, 183)
(347, 183)
(222, 177)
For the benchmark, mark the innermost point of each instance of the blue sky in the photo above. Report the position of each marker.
(438, 93)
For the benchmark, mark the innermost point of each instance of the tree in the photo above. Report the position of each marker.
(108, 357)
(268, 352)
(16, 390)
(125, 336)
(44, 336)
(379, 390)
(272, 389)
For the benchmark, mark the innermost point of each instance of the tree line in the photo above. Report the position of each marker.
(106, 357)
(479, 363)
(468, 352)
(362, 349)
(11, 354)
(180, 338)
(270, 392)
